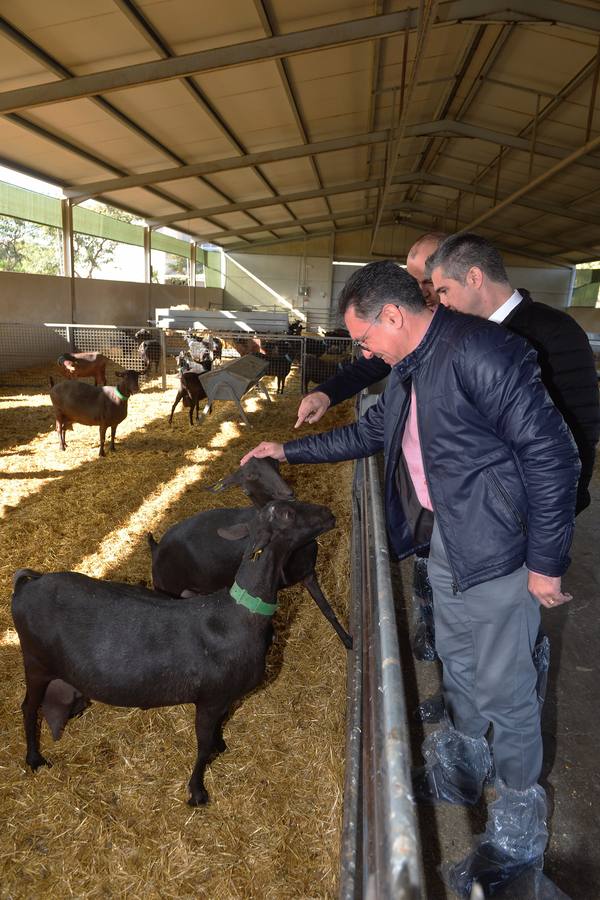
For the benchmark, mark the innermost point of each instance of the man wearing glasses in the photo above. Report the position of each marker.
(481, 468)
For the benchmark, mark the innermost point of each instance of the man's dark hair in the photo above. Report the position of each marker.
(378, 283)
(460, 252)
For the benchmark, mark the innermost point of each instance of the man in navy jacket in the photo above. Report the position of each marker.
(481, 467)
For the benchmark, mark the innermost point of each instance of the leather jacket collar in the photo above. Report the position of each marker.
(405, 368)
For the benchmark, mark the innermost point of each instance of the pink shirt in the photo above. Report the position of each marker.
(411, 448)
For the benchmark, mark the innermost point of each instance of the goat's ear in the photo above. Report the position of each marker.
(234, 532)
(224, 483)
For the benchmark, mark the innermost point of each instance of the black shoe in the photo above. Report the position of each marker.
(431, 710)
(488, 865)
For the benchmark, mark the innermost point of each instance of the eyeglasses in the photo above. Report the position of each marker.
(360, 342)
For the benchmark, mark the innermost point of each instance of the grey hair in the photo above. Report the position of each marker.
(460, 252)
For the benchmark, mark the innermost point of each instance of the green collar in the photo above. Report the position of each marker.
(119, 394)
(254, 604)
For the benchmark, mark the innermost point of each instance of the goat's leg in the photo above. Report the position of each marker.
(60, 430)
(113, 431)
(208, 724)
(177, 399)
(36, 688)
(103, 428)
(219, 745)
(314, 589)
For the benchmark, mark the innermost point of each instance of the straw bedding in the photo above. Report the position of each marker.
(109, 819)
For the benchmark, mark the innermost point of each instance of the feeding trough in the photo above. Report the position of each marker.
(233, 380)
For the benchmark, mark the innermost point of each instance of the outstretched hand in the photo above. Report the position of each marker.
(312, 408)
(265, 448)
(547, 590)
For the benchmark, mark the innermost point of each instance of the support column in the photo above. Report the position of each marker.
(148, 270)
(192, 270)
(66, 210)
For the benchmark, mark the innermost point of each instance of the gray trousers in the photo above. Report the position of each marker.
(485, 638)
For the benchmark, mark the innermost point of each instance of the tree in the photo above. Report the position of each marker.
(91, 252)
(29, 247)
(176, 269)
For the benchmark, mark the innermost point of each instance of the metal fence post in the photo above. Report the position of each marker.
(163, 356)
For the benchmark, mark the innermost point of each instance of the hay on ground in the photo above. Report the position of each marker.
(109, 819)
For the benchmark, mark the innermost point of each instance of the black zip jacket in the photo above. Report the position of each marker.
(567, 367)
(501, 465)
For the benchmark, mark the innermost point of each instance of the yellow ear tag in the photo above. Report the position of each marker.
(255, 555)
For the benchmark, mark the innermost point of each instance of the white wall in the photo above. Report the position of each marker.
(283, 274)
(551, 286)
(47, 298)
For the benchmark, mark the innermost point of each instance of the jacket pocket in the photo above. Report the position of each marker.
(506, 499)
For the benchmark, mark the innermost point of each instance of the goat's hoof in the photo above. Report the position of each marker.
(198, 798)
(36, 760)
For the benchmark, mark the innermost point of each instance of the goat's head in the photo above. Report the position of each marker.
(259, 479)
(283, 522)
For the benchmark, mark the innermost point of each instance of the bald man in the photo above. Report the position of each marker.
(364, 372)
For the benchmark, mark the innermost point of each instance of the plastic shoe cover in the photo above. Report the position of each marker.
(455, 768)
(431, 710)
(514, 840)
(487, 865)
(423, 639)
(421, 585)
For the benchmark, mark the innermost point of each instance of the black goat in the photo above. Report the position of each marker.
(191, 393)
(280, 362)
(149, 349)
(178, 567)
(113, 649)
(318, 368)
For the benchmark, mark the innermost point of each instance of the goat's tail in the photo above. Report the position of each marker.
(21, 574)
(51, 381)
(151, 542)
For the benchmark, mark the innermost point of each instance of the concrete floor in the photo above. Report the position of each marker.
(570, 725)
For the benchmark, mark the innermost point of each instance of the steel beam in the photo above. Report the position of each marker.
(86, 191)
(441, 128)
(341, 33)
(291, 223)
(372, 184)
(589, 147)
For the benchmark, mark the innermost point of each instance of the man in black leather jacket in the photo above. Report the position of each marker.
(469, 276)
(480, 466)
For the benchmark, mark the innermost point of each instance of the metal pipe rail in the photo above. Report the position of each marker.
(381, 854)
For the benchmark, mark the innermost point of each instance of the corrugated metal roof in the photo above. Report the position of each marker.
(316, 118)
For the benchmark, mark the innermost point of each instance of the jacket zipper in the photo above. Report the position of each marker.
(508, 502)
(454, 579)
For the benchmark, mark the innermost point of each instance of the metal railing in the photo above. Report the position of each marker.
(381, 855)
(28, 353)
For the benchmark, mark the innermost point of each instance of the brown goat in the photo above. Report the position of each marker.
(84, 365)
(77, 401)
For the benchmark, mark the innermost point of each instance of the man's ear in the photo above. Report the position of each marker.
(474, 277)
(394, 315)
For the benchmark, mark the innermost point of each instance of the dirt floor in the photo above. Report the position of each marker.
(109, 819)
